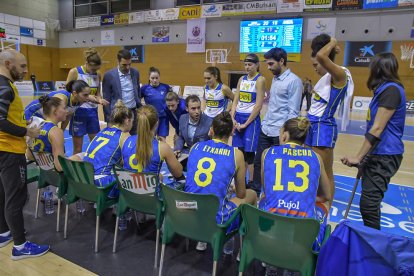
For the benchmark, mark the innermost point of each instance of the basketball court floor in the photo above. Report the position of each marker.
(136, 245)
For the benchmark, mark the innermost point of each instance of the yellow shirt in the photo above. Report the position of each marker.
(15, 115)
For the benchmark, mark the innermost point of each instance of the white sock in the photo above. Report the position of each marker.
(20, 247)
(5, 234)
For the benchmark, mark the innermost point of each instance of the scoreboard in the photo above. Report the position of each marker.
(259, 36)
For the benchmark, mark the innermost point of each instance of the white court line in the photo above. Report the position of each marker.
(408, 186)
(400, 171)
(347, 190)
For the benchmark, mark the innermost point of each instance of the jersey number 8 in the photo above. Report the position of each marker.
(208, 172)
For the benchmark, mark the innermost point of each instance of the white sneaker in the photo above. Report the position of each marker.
(201, 246)
(238, 257)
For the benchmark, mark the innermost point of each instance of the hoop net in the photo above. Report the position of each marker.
(215, 56)
(4, 45)
(406, 51)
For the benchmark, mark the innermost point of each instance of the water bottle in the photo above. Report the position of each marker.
(49, 206)
(229, 247)
(122, 224)
(128, 215)
(80, 206)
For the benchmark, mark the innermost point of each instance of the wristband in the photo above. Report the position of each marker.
(371, 138)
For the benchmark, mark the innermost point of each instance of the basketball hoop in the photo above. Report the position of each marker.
(407, 51)
(215, 56)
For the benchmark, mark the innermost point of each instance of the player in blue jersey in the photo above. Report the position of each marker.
(76, 93)
(85, 119)
(143, 152)
(51, 138)
(104, 151)
(154, 94)
(175, 107)
(385, 128)
(294, 180)
(207, 173)
(247, 103)
(216, 94)
(330, 90)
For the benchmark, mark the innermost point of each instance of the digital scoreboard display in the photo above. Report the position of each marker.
(259, 36)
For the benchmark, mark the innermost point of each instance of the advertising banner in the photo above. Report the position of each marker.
(196, 35)
(360, 53)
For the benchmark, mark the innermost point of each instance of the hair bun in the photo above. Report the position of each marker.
(44, 99)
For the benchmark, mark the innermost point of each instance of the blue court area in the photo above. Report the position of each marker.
(69, 144)
(359, 128)
(397, 208)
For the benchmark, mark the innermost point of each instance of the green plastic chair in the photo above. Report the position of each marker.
(80, 177)
(278, 240)
(136, 191)
(194, 216)
(32, 172)
(49, 176)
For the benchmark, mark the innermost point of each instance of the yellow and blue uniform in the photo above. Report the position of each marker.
(207, 175)
(103, 152)
(323, 131)
(248, 137)
(391, 138)
(174, 117)
(35, 107)
(216, 101)
(155, 96)
(85, 120)
(130, 162)
(291, 183)
(42, 143)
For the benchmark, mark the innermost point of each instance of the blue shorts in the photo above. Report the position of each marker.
(249, 137)
(107, 180)
(163, 127)
(84, 121)
(321, 215)
(224, 215)
(322, 135)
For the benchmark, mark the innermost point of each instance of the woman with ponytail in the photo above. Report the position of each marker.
(154, 94)
(216, 94)
(104, 151)
(51, 138)
(296, 183)
(143, 152)
(85, 120)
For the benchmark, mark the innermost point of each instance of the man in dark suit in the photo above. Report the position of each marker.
(122, 83)
(193, 127)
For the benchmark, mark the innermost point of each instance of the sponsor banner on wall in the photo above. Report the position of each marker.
(121, 19)
(44, 86)
(2, 31)
(361, 103)
(318, 5)
(380, 4)
(208, 11)
(360, 53)
(137, 53)
(60, 85)
(40, 42)
(403, 3)
(108, 37)
(160, 34)
(25, 88)
(152, 15)
(24, 31)
(107, 20)
(12, 29)
(196, 35)
(170, 14)
(136, 17)
(94, 21)
(260, 7)
(317, 26)
(289, 6)
(190, 12)
(347, 4)
(410, 107)
(232, 9)
(81, 23)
